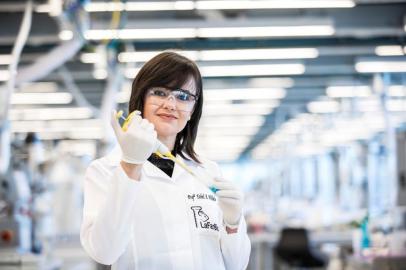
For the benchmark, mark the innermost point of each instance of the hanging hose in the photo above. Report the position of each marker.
(115, 21)
(70, 84)
(46, 64)
(16, 53)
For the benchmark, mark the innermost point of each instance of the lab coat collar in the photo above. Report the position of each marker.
(152, 171)
(114, 157)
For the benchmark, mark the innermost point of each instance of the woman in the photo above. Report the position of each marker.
(143, 212)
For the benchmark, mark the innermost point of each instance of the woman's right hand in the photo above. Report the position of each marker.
(138, 141)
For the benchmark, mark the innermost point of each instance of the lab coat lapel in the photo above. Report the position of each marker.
(114, 157)
(178, 171)
(150, 170)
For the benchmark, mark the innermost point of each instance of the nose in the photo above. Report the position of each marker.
(170, 103)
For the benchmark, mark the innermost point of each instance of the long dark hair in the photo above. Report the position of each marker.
(172, 70)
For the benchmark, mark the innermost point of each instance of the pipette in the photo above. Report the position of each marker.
(163, 152)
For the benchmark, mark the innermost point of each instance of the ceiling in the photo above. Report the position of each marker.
(350, 34)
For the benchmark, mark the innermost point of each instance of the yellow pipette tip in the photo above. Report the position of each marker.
(119, 114)
(159, 154)
(128, 119)
(177, 161)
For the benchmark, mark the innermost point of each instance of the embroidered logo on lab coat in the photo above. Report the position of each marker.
(202, 220)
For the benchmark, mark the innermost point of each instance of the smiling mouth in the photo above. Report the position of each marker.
(166, 116)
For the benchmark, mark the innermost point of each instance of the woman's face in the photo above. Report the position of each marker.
(166, 114)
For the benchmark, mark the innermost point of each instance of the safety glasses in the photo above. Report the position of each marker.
(184, 99)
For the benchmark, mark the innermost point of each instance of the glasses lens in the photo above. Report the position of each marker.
(182, 96)
(184, 100)
(161, 93)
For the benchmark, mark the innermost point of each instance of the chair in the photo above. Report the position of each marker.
(293, 249)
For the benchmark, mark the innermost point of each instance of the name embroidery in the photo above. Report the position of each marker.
(202, 220)
(201, 196)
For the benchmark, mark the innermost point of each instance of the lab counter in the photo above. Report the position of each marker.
(341, 238)
(67, 254)
(262, 245)
(378, 263)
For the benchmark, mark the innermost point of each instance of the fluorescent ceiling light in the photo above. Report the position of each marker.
(362, 91)
(100, 74)
(211, 32)
(215, 149)
(240, 70)
(244, 94)
(54, 8)
(82, 134)
(396, 105)
(266, 31)
(41, 98)
(45, 8)
(392, 50)
(39, 87)
(397, 91)
(380, 66)
(323, 106)
(348, 91)
(252, 70)
(247, 54)
(101, 7)
(139, 6)
(343, 136)
(221, 156)
(4, 75)
(79, 134)
(213, 5)
(229, 121)
(291, 128)
(5, 59)
(157, 33)
(219, 141)
(88, 125)
(79, 148)
(50, 113)
(369, 105)
(274, 4)
(90, 58)
(163, 33)
(272, 103)
(65, 35)
(237, 109)
(226, 55)
(128, 57)
(227, 131)
(271, 82)
(146, 6)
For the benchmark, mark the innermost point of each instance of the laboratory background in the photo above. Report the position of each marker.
(304, 108)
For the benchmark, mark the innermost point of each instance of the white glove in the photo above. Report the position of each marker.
(138, 141)
(230, 200)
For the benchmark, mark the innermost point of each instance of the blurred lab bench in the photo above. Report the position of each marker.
(67, 254)
(262, 245)
(377, 263)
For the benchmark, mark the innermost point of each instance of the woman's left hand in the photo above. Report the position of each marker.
(230, 200)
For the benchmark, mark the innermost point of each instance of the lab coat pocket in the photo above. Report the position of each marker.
(205, 215)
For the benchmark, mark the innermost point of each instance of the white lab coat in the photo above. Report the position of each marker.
(158, 222)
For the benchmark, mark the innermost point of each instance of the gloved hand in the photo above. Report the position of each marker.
(138, 141)
(230, 200)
